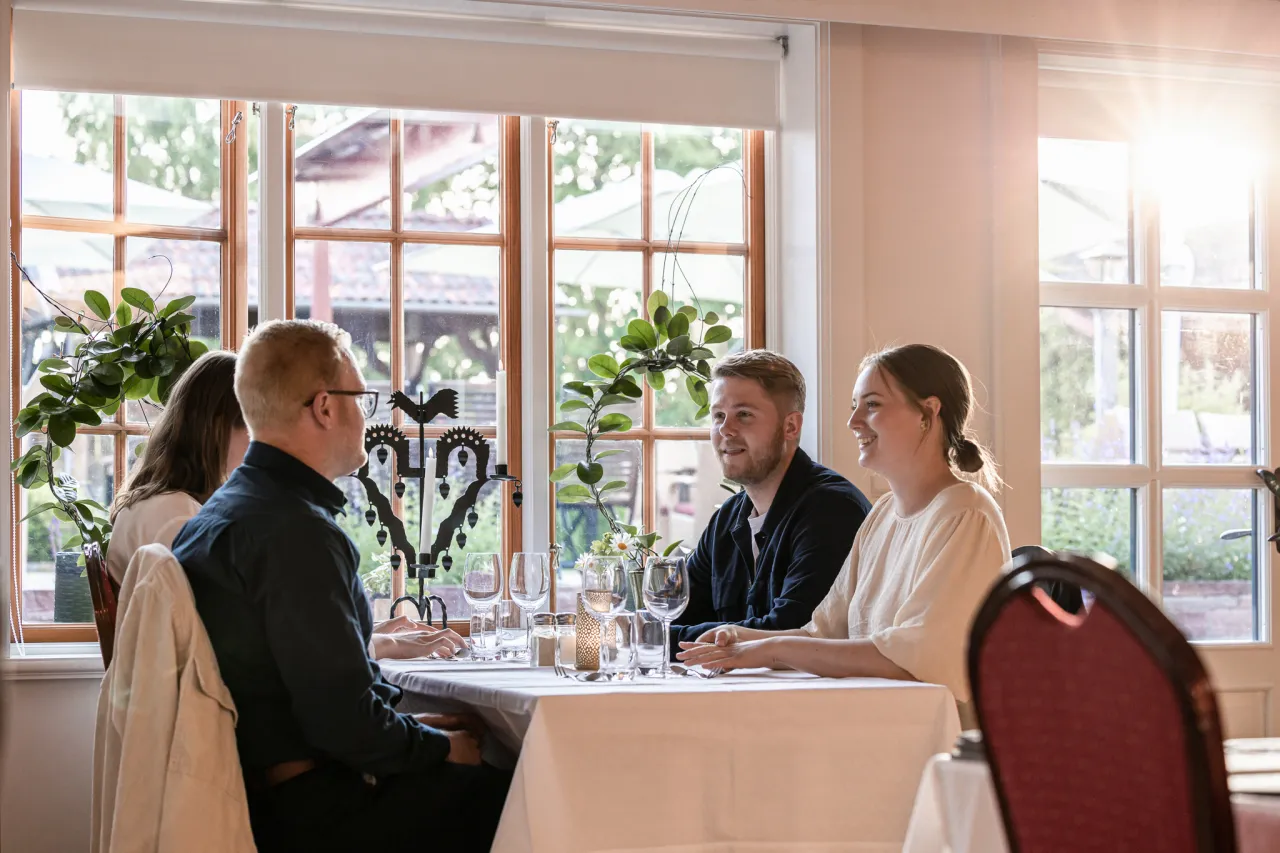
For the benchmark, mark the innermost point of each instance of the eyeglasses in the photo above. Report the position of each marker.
(366, 400)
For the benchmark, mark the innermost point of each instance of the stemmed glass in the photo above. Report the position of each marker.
(604, 591)
(529, 584)
(482, 584)
(666, 595)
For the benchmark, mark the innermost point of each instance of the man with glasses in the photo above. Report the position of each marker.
(328, 762)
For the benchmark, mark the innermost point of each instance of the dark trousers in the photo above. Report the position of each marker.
(451, 808)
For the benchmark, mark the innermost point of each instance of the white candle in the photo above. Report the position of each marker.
(502, 416)
(425, 511)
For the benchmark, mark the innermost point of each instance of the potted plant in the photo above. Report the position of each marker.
(132, 351)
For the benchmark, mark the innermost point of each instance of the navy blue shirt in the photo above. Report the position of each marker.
(276, 584)
(806, 537)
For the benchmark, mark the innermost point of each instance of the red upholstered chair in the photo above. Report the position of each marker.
(103, 591)
(1101, 730)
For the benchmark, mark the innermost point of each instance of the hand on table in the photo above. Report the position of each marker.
(721, 635)
(723, 654)
(469, 723)
(401, 624)
(416, 643)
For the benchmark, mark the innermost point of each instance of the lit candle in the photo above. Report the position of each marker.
(502, 416)
(425, 511)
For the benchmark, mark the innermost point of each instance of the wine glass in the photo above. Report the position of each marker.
(482, 582)
(666, 595)
(529, 582)
(604, 591)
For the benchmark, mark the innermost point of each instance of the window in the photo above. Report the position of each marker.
(113, 192)
(398, 234)
(634, 208)
(1154, 328)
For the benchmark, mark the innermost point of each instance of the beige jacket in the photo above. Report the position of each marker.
(166, 774)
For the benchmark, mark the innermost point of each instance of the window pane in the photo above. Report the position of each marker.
(53, 588)
(1085, 370)
(1209, 573)
(595, 176)
(698, 184)
(718, 281)
(196, 271)
(342, 167)
(597, 294)
(350, 284)
(1085, 211)
(68, 142)
(1207, 388)
(1090, 521)
(451, 172)
(174, 161)
(63, 265)
(579, 524)
(451, 326)
(1206, 212)
(687, 479)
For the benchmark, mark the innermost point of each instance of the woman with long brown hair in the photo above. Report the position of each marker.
(198, 440)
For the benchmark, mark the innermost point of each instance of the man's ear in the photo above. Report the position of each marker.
(792, 425)
(322, 410)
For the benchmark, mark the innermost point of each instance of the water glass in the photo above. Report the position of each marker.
(647, 633)
(529, 582)
(666, 595)
(513, 631)
(617, 648)
(484, 638)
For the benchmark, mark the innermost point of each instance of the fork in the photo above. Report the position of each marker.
(697, 673)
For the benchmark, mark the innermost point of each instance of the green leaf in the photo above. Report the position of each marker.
(632, 343)
(164, 385)
(198, 348)
(711, 318)
(562, 472)
(52, 406)
(138, 299)
(689, 312)
(574, 405)
(25, 429)
(27, 476)
(98, 304)
(661, 318)
(657, 299)
(146, 368)
(110, 409)
(614, 400)
(614, 422)
(84, 415)
(91, 399)
(702, 413)
(590, 472)
(670, 549)
(648, 539)
(628, 387)
(53, 364)
(124, 314)
(603, 365)
(697, 389)
(631, 529)
(678, 326)
(136, 387)
(679, 345)
(177, 305)
(605, 453)
(704, 368)
(657, 381)
(568, 426)
(108, 374)
(580, 388)
(701, 352)
(73, 542)
(57, 383)
(140, 449)
(613, 486)
(62, 429)
(718, 335)
(44, 507)
(69, 325)
(179, 319)
(61, 515)
(644, 330)
(573, 494)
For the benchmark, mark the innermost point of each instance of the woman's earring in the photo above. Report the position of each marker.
(924, 426)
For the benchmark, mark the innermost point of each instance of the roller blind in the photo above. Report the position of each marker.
(339, 59)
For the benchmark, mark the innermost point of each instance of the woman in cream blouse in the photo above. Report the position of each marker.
(924, 558)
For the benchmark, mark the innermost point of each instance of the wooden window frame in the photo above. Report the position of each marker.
(230, 236)
(507, 240)
(752, 251)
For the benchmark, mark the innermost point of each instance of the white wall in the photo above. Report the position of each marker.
(48, 758)
(932, 228)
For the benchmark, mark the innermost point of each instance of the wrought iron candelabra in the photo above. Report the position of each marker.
(468, 443)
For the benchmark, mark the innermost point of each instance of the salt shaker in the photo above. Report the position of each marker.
(566, 638)
(542, 651)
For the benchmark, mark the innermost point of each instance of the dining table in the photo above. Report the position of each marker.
(755, 761)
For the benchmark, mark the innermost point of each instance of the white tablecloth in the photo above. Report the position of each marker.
(956, 811)
(754, 763)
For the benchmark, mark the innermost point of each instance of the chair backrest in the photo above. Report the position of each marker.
(104, 592)
(1101, 729)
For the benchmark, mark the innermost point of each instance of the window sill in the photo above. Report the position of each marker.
(53, 661)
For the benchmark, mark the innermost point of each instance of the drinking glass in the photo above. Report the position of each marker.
(482, 581)
(604, 591)
(483, 641)
(647, 636)
(530, 580)
(666, 595)
(513, 631)
(617, 658)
